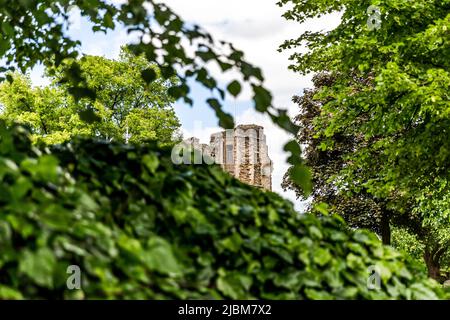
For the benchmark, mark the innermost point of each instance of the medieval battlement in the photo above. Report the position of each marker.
(242, 152)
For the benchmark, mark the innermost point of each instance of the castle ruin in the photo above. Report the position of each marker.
(242, 152)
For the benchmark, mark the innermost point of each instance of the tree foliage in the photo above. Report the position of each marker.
(353, 201)
(141, 227)
(125, 103)
(34, 32)
(381, 125)
(428, 247)
(396, 77)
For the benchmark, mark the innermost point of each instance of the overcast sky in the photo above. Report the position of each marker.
(254, 26)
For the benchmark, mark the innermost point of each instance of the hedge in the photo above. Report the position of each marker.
(140, 227)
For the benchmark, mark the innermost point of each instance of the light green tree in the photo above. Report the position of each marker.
(429, 246)
(126, 107)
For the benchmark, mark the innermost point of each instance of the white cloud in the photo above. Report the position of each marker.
(257, 28)
(37, 78)
(276, 138)
(74, 19)
(107, 46)
(200, 132)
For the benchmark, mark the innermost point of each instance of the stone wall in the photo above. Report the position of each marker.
(243, 152)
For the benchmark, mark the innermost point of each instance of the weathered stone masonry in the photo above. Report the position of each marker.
(243, 153)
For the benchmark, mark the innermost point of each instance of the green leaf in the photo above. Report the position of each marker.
(321, 256)
(149, 75)
(167, 71)
(421, 292)
(322, 208)
(82, 92)
(45, 168)
(301, 175)
(225, 120)
(159, 257)
(262, 98)
(226, 288)
(293, 147)
(5, 234)
(234, 88)
(206, 55)
(151, 162)
(317, 295)
(315, 232)
(89, 116)
(7, 29)
(39, 266)
(7, 293)
(232, 243)
(178, 91)
(21, 188)
(4, 46)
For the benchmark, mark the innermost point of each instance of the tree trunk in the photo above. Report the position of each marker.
(385, 229)
(433, 264)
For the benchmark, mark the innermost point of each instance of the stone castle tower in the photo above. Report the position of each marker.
(243, 153)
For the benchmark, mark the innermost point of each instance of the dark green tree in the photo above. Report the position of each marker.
(353, 201)
(360, 209)
(395, 78)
